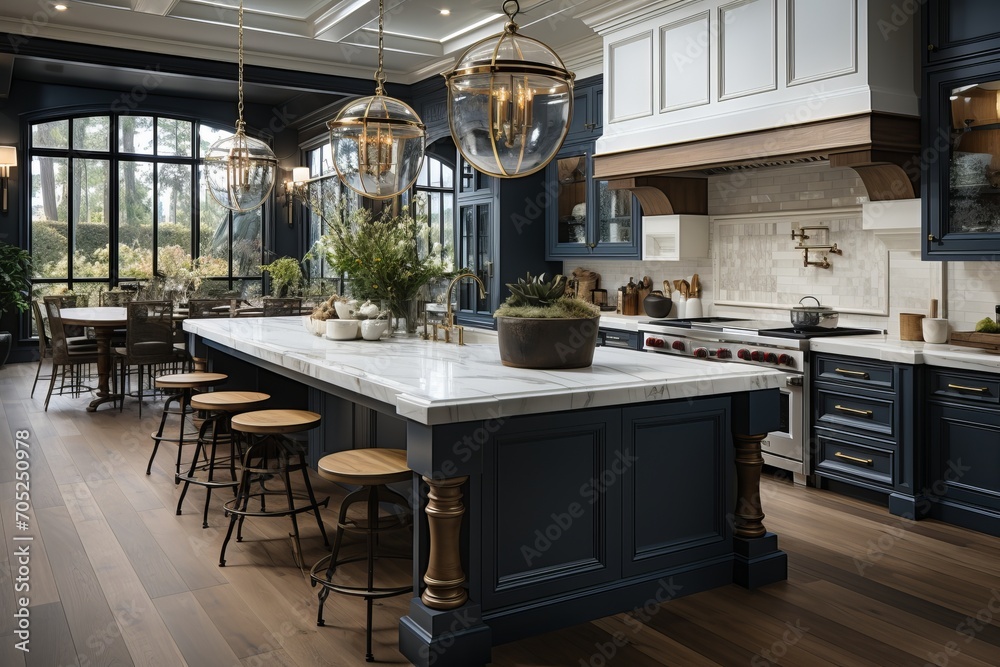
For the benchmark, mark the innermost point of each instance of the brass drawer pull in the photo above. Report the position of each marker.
(867, 462)
(978, 390)
(844, 371)
(854, 411)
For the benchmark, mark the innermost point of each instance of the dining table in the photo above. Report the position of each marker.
(104, 320)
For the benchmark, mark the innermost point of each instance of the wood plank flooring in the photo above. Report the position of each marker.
(117, 578)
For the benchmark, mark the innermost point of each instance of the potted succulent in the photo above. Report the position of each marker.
(15, 271)
(539, 326)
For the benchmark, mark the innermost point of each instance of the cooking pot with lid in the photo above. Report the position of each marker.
(813, 318)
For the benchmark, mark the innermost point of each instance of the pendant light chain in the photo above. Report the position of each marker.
(379, 73)
(239, 105)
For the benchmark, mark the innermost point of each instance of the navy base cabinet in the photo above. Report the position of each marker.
(963, 419)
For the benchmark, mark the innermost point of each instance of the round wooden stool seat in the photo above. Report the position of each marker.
(190, 380)
(275, 421)
(228, 401)
(366, 467)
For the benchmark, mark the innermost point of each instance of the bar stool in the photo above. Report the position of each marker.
(373, 469)
(276, 456)
(183, 386)
(220, 406)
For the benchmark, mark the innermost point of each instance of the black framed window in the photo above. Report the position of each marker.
(116, 197)
(434, 205)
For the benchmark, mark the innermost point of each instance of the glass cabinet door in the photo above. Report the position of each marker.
(614, 216)
(571, 200)
(974, 168)
(476, 254)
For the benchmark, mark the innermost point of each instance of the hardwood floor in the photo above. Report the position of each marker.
(118, 579)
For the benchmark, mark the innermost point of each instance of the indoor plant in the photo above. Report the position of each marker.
(286, 274)
(538, 326)
(15, 286)
(387, 258)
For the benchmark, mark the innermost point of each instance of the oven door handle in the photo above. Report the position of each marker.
(794, 381)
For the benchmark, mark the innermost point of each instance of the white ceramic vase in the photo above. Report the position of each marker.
(373, 329)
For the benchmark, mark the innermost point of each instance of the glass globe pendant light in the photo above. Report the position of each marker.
(240, 170)
(510, 100)
(377, 142)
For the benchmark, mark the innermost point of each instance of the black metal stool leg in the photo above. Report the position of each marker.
(194, 463)
(159, 432)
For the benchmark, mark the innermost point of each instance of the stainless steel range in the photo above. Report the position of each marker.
(763, 343)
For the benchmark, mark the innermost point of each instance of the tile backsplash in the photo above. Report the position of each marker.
(753, 260)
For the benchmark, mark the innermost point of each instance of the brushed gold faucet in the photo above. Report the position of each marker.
(449, 317)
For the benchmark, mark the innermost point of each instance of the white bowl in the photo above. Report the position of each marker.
(341, 329)
(315, 327)
(373, 329)
(346, 309)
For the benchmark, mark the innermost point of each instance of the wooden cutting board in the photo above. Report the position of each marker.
(983, 341)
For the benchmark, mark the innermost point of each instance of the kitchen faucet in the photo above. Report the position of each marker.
(449, 317)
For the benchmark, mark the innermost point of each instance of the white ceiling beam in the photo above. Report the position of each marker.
(346, 23)
(158, 7)
(396, 43)
(229, 16)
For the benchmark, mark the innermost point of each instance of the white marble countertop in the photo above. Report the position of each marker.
(439, 383)
(884, 348)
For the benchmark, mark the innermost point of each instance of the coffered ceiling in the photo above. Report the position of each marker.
(325, 36)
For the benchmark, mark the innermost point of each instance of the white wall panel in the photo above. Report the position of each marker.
(747, 48)
(630, 63)
(822, 39)
(685, 58)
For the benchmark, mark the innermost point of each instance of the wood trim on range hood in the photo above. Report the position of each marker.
(883, 148)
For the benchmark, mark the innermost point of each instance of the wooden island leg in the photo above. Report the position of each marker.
(104, 395)
(444, 628)
(757, 559)
(444, 576)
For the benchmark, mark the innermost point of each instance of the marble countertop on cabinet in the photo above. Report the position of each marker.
(439, 383)
(885, 348)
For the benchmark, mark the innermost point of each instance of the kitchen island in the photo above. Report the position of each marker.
(546, 498)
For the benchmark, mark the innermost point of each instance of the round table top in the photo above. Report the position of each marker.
(102, 316)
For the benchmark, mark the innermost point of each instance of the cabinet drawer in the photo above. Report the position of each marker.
(853, 371)
(835, 409)
(855, 460)
(973, 388)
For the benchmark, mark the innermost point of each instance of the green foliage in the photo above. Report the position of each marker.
(987, 325)
(565, 308)
(537, 291)
(15, 270)
(285, 272)
(538, 297)
(386, 257)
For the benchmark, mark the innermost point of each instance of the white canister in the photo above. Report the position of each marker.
(693, 307)
(936, 329)
(681, 303)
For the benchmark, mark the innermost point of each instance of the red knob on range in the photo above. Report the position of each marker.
(770, 357)
(785, 360)
(650, 342)
(701, 352)
(677, 345)
(743, 354)
(658, 342)
(757, 355)
(723, 353)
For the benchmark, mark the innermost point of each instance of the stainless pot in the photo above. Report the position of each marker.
(810, 318)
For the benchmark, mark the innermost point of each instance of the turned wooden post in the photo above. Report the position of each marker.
(749, 516)
(444, 576)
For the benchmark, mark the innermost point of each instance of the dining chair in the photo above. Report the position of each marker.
(202, 308)
(274, 307)
(69, 301)
(64, 355)
(149, 343)
(116, 300)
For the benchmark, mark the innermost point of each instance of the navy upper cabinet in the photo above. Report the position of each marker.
(585, 217)
(960, 186)
(588, 110)
(958, 28)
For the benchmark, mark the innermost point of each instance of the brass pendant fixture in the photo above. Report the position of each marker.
(510, 100)
(377, 142)
(240, 170)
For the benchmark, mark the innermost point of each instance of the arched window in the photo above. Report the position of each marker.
(117, 198)
(434, 204)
